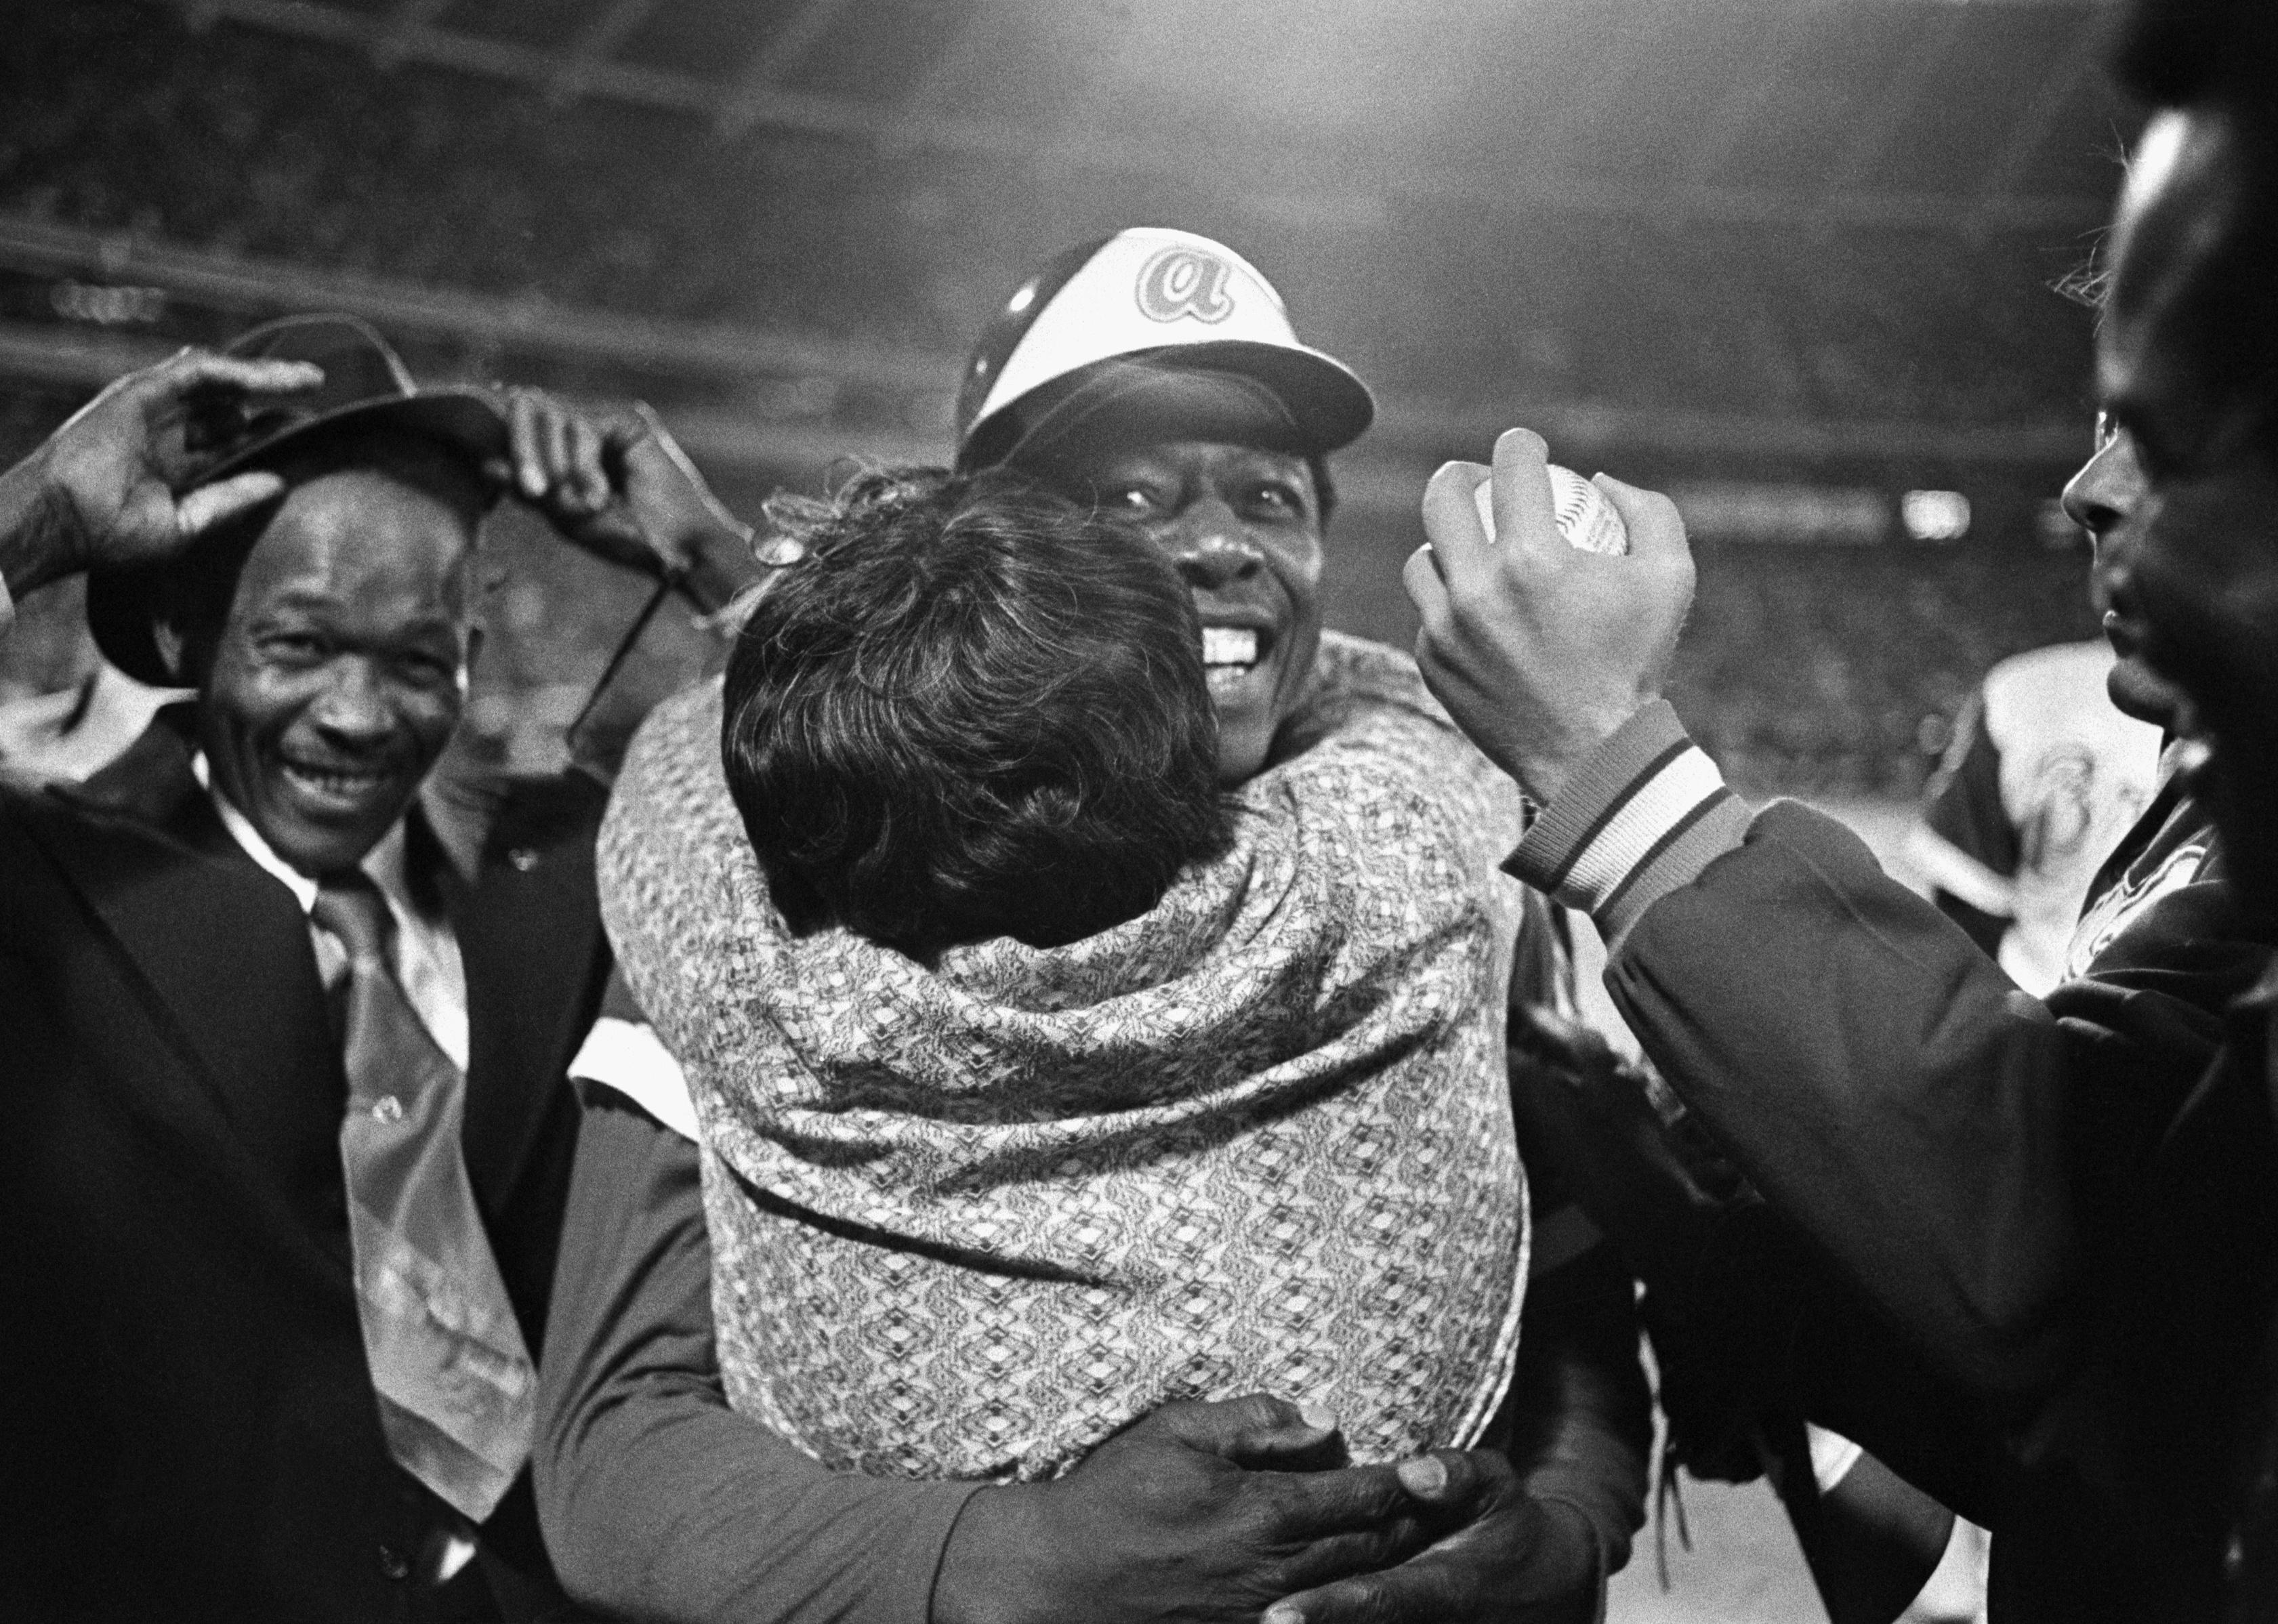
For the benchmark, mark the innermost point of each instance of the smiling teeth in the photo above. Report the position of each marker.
(335, 783)
(1229, 645)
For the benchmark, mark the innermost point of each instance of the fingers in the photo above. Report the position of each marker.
(622, 432)
(194, 370)
(1428, 589)
(209, 505)
(1522, 1559)
(1451, 519)
(1656, 529)
(554, 444)
(1448, 1581)
(565, 457)
(1341, 1556)
(1418, 1592)
(589, 479)
(1444, 1477)
(1354, 1500)
(1255, 1427)
(526, 433)
(1527, 513)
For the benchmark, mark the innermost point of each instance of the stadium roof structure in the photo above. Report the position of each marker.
(1720, 236)
(1960, 114)
(1788, 259)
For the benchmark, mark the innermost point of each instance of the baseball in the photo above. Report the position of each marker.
(1585, 518)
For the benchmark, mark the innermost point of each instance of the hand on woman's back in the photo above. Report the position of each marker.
(1200, 1511)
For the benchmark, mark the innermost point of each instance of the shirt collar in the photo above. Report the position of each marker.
(384, 863)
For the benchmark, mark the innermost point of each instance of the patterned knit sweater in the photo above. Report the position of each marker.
(970, 1221)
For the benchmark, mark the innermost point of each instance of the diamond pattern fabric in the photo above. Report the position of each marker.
(970, 1221)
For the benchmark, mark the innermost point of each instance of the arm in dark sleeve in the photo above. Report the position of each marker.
(658, 1500)
(1885, 1087)
(1941, 1141)
(1983, 929)
(1580, 1411)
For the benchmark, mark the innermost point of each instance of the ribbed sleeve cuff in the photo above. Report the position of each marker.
(1642, 816)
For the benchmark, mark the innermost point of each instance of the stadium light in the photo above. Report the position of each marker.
(1935, 516)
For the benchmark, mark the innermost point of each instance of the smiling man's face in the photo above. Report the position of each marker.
(1242, 526)
(340, 672)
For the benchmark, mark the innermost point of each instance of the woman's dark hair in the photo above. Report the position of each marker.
(973, 709)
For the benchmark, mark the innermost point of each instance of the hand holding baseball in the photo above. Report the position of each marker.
(1539, 649)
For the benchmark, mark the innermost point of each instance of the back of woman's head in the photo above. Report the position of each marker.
(972, 709)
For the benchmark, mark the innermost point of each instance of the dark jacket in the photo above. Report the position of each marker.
(188, 1429)
(2051, 1228)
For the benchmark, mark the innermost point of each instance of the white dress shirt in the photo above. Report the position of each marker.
(427, 962)
(628, 1057)
(427, 966)
(619, 1054)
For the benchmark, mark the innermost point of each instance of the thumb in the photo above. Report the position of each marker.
(1656, 529)
(209, 505)
(1444, 1477)
(624, 430)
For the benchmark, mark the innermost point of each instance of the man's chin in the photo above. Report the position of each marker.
(2134, 691)
(328, 837)
(1247, 717)
(1242, 752)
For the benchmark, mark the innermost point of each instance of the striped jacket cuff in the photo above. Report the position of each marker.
(1644, 816)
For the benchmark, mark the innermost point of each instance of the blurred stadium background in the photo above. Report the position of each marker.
(1790, 258)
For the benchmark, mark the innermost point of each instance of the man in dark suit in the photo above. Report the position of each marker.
(283, 1035)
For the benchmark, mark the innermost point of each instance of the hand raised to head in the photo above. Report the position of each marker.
(108, 478)
(613, 482)
(1199, 1512)
(1539, 649)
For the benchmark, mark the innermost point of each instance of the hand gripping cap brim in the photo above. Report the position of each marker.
(1169, 298)
(365, 387)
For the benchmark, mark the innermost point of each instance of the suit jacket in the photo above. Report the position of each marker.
(186, 1424)
(2063, 1215)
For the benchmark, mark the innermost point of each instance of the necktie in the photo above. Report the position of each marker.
(458, 1389)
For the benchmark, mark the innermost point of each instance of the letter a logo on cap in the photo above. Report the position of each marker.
(1180, 281)
(1126, 299)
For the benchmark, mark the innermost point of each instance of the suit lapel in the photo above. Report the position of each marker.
(222, 952)
(529, 934)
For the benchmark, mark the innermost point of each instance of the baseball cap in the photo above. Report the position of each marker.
(1149, 303)
(366, 385)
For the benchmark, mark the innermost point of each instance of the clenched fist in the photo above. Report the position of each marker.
(1539, 649)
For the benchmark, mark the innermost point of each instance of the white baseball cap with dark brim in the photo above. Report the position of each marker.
(1168, 299)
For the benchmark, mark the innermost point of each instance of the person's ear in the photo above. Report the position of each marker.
(188, 642)
(168, 644)
(188, 660)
